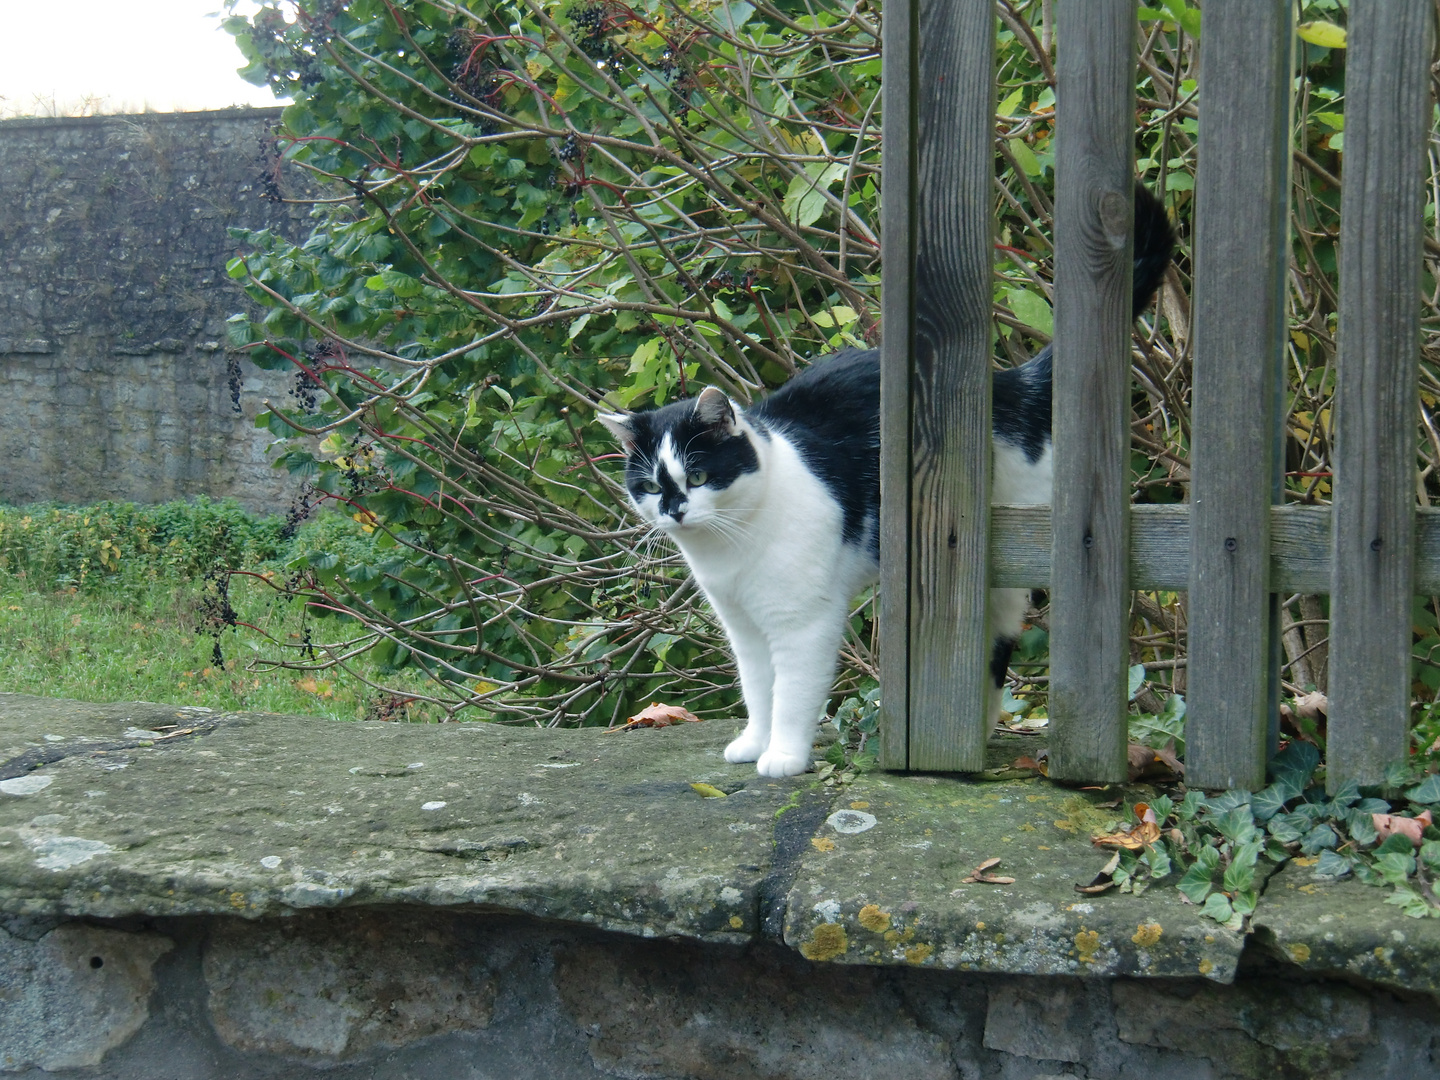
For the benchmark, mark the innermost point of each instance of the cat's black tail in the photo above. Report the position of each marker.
(1154, 241)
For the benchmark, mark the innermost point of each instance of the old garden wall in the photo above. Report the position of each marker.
(115, 381)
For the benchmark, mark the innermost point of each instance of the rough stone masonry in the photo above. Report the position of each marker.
(186, 894)
(115, 382)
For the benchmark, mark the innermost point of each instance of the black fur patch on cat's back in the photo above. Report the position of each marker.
(1020, 401)
(1020, 405)
(831, 413)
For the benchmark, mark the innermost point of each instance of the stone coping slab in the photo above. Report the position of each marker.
(129, 809)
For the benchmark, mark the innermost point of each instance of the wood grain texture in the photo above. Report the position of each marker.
(897, 314)
(1300, 548)
(1089, 639)
(950, 397)
(1387, 113)
(1241, 250)
(935, 383)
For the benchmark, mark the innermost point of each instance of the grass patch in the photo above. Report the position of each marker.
(107, 603)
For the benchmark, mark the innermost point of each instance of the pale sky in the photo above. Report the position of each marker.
(162, 55)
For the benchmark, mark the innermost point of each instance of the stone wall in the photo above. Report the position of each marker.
(192, 895)
(385, 995)
(114, 378)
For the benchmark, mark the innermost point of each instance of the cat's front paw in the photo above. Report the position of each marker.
(779, 763)
(747, 747)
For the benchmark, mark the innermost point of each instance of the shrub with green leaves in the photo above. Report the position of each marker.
(538, 206)
(48, 546)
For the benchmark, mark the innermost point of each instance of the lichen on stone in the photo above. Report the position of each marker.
(826, 942)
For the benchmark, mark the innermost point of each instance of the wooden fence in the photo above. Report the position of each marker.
(1235, 546)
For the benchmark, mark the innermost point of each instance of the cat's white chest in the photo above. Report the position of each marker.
(787, 544)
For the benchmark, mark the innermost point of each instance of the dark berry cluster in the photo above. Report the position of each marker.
(571, 149)
(232, 380)
(592, 22)
(216, 613)
(359, 478)
(471, 72)
(300, 508)
(267, 161)
(305, 391)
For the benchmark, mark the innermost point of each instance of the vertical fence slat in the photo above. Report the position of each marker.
(1089, 591)
(897, 210)
(1387, 118)
(1240, 251)
(936, 353)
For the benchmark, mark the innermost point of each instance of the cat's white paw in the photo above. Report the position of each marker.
(746, 748)
(779, 763)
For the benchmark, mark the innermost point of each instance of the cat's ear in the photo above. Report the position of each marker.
(713, 409)
(621, 425)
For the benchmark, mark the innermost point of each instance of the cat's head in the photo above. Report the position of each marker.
(688, 465)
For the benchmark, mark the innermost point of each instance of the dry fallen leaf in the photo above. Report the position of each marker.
(1147, 763)
(1314, 706)
(658, 716)
(1102, 881)
(979, 875)
(1390, 824)
(1143, 833)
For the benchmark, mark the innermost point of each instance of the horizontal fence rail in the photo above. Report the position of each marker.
(1301, 556)
(1236, 547)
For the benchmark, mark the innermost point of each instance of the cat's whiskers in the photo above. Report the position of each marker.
(731, 524)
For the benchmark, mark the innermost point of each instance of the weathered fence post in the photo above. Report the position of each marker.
(1387, 121)
(935, 381)
(1240, 251)
(1090, 572)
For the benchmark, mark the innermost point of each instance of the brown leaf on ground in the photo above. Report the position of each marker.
(1102, 881)
(1147, 763)
(979, 875)
(1413, 827)
(1143, 833)
(657, 715)
(1027, 762)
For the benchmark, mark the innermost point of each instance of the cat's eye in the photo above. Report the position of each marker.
(696, 478)
(650, 486)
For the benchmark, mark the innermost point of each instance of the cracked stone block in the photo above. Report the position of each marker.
(1046, 1019)
(317, 989)
(70, 995)
(1249, 1030)
(667, 1011)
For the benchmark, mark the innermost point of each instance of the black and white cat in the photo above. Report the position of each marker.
(776, 511)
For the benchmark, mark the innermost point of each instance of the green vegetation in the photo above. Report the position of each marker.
(118, 602)
(544, 207)
(1226, 845)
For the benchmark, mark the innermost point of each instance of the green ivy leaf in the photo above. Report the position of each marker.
(1217, 907)
(1332, 865)
(1319, 838)
(1426, 792)
(1269, 801)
